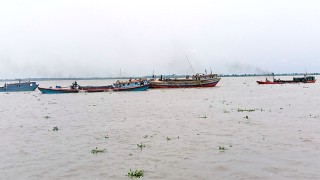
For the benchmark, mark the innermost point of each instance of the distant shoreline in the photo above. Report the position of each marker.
(150, 76)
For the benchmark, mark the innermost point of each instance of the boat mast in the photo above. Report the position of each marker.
(305, 70)
(190, 64)
(273, 76)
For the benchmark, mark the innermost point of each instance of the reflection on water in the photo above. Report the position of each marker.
(181, 129)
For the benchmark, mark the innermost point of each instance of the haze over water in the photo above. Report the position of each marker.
(181, 129)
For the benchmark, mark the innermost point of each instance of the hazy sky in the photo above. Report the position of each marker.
(90, 38)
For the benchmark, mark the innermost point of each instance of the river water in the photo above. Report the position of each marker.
(181, 130)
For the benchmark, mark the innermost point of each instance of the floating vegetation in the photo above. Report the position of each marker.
(136, 173)
(96, 150)
(246, 110)
(55, 128)
(246, 117)
(315, 116)
(51, 102)
(47, 117)
(225, 111)
(106, 136)
(222, 148)
(203, 117)
(145, 136)
(141, 145)
(168, 139)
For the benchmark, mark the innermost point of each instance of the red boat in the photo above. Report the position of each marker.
(305, 79)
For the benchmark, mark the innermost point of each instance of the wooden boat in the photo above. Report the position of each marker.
(95, 88)
(130, 85)
(305, 79)
(197, 80)
(20, 86)
(60, 90)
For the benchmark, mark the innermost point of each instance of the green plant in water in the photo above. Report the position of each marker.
(246, 110)
(168, 139)
(141, 145)
(96, 150)
(222, 148)
(47, 117)
(55, 128)
(202, 117)
(136, 173)
(225, 111)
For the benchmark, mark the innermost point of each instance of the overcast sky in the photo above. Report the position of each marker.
(97, 38)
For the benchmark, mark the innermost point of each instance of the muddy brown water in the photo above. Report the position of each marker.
(181, 129)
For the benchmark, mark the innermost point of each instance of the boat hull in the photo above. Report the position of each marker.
(284, 82)
(183, 84)
(57, 90)
(92, 89)
(138, 88)
(111, 88)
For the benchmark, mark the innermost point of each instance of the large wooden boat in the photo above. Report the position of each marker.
(197, 80)
(60, 90)
(19, 86)
(130, 85)
(305, 79)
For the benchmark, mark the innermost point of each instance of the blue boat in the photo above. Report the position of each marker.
(60, 90)
(131, 85)
(20, 86)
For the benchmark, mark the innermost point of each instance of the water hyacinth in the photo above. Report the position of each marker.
(136, 173)
(222, 148)
(96, 150)
(141, 145)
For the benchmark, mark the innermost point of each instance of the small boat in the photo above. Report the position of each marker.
(197, 80)
(130, 85)
(60, 90)
(20, 86)
(295, 80)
